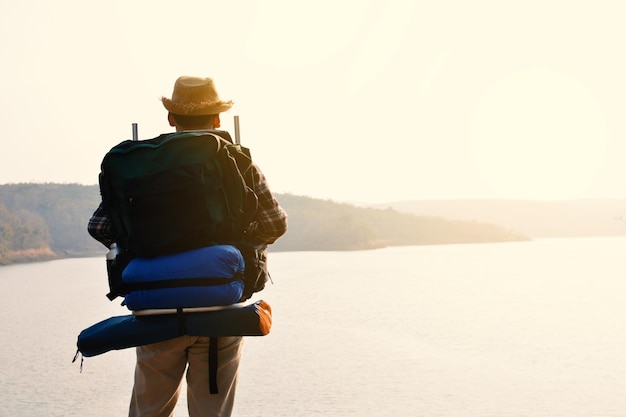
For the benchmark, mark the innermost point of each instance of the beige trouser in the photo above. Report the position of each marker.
(160, 369)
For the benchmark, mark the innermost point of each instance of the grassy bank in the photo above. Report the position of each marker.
(28, 255)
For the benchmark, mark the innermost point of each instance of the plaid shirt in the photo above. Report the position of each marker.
(270, 221)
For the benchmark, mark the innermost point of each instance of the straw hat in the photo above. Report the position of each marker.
(194, 96)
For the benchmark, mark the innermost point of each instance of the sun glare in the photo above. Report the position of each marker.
(298, 40)
(538, 135)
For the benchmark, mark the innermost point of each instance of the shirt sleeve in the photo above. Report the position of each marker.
(100, 227)
(271, 219)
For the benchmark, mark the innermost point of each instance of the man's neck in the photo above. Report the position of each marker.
(182, 129)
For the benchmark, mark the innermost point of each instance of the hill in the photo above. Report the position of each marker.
(537, 219)
(51, 218)
(316, 224)
(42, 221)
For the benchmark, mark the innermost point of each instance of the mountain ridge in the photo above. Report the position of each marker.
(535, 218)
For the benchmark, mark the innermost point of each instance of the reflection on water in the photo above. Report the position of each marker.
(516, 329)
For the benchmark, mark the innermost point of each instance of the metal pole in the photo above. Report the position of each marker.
(237, 137)
(135, 134)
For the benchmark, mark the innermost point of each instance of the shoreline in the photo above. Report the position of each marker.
(28, 255)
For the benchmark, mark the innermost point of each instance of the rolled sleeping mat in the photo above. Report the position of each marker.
(121, 332)
(217, 266)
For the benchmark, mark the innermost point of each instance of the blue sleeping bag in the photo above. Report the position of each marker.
(217, 262)
(121, 332)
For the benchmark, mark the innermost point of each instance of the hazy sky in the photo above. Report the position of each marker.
(370, 101)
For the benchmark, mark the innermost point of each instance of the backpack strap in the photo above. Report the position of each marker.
(181, 282)
(213, 365)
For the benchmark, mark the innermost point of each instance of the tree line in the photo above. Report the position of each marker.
(316, 224)
(42, 221)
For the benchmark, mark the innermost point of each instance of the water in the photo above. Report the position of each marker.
(515, 329)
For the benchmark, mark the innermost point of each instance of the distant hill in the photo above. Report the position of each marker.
(316, 224)
(537, 219)
(42, 221)
(64, 208)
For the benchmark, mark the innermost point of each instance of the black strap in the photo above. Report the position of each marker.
(182, 327)
(180, 282)
(213, 365)
(182, 330)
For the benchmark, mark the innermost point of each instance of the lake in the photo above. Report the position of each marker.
(510, 329)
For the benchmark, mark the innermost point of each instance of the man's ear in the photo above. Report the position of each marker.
(170, 119)
(216, 121)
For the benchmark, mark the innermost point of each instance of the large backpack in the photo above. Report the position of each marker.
(179, 192)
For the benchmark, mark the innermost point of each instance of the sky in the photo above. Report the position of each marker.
(357, 101)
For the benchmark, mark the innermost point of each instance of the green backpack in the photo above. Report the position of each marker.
(178, 192)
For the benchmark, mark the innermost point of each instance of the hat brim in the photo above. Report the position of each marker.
(196, 109)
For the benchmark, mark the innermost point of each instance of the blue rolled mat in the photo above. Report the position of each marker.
(121, 332)
(218, 261)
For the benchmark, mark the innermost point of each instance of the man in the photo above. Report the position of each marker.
(195, 105)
